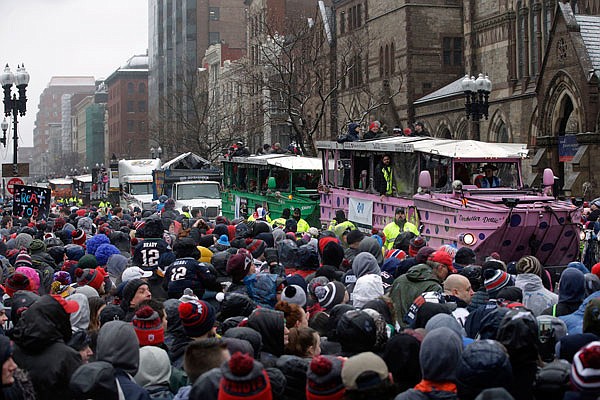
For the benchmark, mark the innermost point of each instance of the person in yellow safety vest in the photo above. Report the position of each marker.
(340, 224)
(303, 226)
(383, 179)
(399, 224)
(280, 222)
(80, 202)
(185, 211)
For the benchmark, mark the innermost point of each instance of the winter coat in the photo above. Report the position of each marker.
(364, 263)
(45, 264)
(535, 296)
(408, 287)
(270, 325)
(262, 288)
(351, 136)
(368, 287)
(574, 321)
(40, 337)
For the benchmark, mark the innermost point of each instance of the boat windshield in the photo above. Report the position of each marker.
(488, 174)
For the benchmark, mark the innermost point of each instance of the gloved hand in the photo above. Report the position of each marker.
(271, 255)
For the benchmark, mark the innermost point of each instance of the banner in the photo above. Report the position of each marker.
(360, 212)
(567, 147)
(31, 202)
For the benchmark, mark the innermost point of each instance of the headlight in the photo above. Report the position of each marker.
(468, 239)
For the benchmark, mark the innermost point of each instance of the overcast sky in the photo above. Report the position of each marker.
(67, 37)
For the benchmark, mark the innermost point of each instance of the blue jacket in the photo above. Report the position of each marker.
(574, 321)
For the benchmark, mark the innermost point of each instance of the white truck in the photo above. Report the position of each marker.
(204, 196)
(135, 182)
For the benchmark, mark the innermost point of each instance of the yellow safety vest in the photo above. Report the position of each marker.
(303, 226)
(392, 230)
(387, 174)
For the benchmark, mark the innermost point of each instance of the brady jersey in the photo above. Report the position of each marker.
(189, 273)
(151, 253)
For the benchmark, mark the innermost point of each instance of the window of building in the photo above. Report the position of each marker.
(214, 37)
(130, 88)
(381, 62)
(141, 106)
(142, 88)
(213, 13)
(130, 107)
(356, 72)
(130, 125)
(343, 22)
(142, 126)
(452, 51)
(392, 59)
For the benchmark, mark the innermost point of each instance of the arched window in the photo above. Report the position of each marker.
(130, 88)
(502, 133)
(381, 62)
(392, 59)
(520, 40)
(386, 61)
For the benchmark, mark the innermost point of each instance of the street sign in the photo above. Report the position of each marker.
(10, 185)
(8, 170)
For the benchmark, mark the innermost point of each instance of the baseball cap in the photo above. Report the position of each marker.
(134, 273)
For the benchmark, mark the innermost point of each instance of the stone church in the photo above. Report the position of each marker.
(542, 56)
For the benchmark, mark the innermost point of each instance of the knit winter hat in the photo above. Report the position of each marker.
(294, 294)
(356, 332)
(238, 266)
(415, 245)
(87, 261)
(197, 317)
(79, 237)
(23, 260)
(243, 377)
(15, 282)
(104, 252)
(74, 252)
(331, 294)
(354, 236)
(93, 277)
(395, 253)
(465, 256)
(361, 363)
(223, 240)
(256, 247)
(495, 280)
(324, 379)
(148, 327)
(529, 265)
(585, 370)
(37, 245)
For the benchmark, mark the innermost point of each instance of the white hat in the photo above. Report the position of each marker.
(134, 273)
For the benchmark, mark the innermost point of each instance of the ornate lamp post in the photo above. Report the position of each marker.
(12, 105)
(4, 126)
(156, 153)
(477, 93)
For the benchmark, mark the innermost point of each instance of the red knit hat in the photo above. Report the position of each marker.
(148, 327)
(17, 281)
(244, 378)
(91, 277)
(324, 379)
(596, 270)
(79, 237)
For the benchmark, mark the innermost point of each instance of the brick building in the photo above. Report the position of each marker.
(127, 107)
(49, 119)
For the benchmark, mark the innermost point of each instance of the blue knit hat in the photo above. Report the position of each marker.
(223, 240)
(104, 252)
(96, 241)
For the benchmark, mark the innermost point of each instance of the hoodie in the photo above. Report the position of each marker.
(371, 245)
(40, 337)
(80, 319)
(574, 321)
(535, 296)
(154, 372)
(363, 264)
(439, 355)
(368, 287)
(270, 324)
(405, 289)
(571, 293)
(118, 344)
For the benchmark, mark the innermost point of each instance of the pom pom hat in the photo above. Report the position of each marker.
(148, 327)
(243, 377)
(324, 379)
(91, 277)
(197, 317)
(79, 237)
(585, 370)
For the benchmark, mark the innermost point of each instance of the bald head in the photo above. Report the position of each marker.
(458, 286)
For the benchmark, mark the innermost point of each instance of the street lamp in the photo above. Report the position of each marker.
(13, 106)
(4, 126)
(156, 153)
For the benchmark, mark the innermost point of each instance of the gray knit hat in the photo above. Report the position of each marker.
(529, 265)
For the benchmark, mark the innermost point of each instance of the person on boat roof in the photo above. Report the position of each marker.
(399, 224)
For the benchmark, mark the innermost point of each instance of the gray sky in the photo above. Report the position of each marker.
(67, 37)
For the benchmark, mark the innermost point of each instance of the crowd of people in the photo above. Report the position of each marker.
(103, 303)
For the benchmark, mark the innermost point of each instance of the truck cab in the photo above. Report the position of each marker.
(135, 182)
(204, 196)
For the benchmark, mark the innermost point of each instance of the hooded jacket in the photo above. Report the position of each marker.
(270, 324)
(439, 355)
(118, 345)
(80, 319)
(368, 287)
(40, 337)
(371, 245)
(574, 321)
(570, 294)
(407, 287)
(363, 264)
(535, 296)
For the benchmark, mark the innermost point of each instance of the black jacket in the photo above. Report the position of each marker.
(40, 337)
(379, 182)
